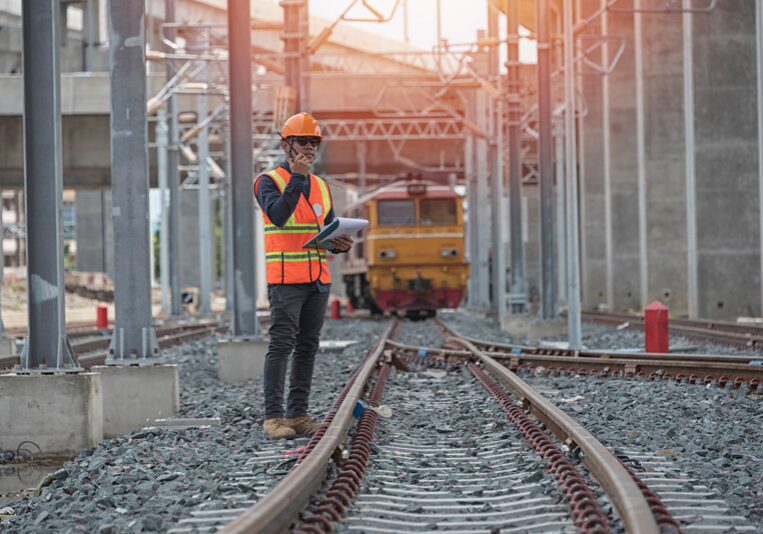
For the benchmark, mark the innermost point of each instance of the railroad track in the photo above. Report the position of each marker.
(725, 371)
(513, 461)
(737, 334)
(94, 350)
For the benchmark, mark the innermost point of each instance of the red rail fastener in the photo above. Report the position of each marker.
(102, 316)
(656, 327)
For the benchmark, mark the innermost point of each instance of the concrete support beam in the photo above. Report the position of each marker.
(60, 413)
(240, 359)
(136, 394)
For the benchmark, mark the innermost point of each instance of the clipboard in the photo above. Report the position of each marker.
(338, 227)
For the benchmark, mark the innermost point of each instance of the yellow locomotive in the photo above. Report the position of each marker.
(410, 259)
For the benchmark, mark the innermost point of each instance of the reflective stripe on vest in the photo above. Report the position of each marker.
(286, 261)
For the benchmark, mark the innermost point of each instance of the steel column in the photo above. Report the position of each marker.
(573, 263)
(46, 347)
(472, 227)
(362, 175)
(561, 221)
(295, 22)
(162, 140)
(91, 20)
(3, 332)
(545, 164)
(240, 41)
(759, 55)
(205, 239)
(228, 228)
(517, 289)
(173, 177)
(481, 268)
(496, 162)
(607, 165)
(638, 47)
(133, 336)
(691, 187)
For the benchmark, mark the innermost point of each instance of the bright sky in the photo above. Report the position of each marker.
(460, 21)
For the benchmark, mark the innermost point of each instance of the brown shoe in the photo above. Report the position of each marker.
(276, 428)
(303, 425)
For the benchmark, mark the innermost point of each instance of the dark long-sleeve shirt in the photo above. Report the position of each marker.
(279, 207)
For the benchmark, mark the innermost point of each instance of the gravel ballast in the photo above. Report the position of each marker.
(152, 478)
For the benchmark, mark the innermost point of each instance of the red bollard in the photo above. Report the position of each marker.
(656, 327)
(102, 316)
(350, 309)
(335, 312)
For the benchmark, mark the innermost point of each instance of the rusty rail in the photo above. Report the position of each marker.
(275, 512)
(702, 369)
(623, 491)
(170, 335)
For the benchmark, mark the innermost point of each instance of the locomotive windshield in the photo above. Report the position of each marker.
(396, 212)
(438, 211)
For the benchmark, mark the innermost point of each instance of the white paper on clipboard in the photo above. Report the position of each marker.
(338, 227)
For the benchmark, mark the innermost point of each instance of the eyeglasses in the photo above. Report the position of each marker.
(304, 141)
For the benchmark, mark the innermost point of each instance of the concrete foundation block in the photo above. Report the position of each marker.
(7, 347)
(538, 329)
(516, 325)
(239, 360)
(62, 413)
(531, 329)
(135, 395)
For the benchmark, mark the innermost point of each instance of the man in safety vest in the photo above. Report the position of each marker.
(295, 203)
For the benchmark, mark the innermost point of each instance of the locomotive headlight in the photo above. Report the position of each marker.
(444, 252)
(449, 253)
(384, 254)
(454, 253)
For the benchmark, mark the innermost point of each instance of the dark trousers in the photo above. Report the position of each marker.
(296, 318)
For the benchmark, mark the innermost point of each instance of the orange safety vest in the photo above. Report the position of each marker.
(285, 259)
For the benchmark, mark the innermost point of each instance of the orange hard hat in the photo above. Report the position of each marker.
(301, 124)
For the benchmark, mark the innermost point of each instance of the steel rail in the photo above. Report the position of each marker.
(748, 334)
(171, 337)
(700, 371)
(275, 512)
(598, 353)
(622, 490)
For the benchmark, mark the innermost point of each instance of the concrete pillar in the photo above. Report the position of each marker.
(664, 161)
(95, 232)
(725, 98)
(623, 170)
(189, 238)
(592, 230)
